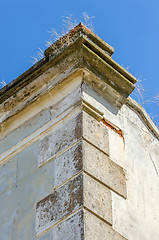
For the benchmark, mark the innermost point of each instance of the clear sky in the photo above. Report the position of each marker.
(130, 26)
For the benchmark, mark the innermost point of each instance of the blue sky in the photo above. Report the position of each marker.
(131, 27)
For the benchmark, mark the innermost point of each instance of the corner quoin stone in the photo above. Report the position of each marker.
(68, 164)
(97, 198)
(60, 138)
(82, 191)
(96, 229)
(69, 132)
(70, 229)
(105, 170)
(61, 203)
(95, 133)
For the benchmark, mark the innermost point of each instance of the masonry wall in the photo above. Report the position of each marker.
(135, 217)
(73, 166)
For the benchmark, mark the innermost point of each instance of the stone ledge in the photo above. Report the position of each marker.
(85, 53)
(73, 35)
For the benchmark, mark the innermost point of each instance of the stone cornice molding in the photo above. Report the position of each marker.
(89, 51)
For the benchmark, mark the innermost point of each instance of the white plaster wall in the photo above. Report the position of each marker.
(140, 211)
(136, 217)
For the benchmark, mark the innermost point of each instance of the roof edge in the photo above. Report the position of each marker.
(79, 29)
(95, 43)
(144, 115)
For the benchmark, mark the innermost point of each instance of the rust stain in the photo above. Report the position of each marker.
(108, 124)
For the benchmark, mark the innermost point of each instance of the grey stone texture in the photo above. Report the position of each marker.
(95, 133)
(78, 145)
(97, 198)
(52, 179)
(68, 164)
(70, 229)
(81, 191)
(60, 138)
(81, 125)
(82, 225)
(105, 170)
(96, 229)
(61, 203)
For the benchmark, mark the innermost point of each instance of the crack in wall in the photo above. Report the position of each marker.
(156, 170)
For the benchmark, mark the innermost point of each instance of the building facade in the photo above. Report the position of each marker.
(79, 158)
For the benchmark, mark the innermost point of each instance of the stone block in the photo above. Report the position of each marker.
(101, 167)
(71, 228)
(68, 164)
(80, 191)
(97, 229)
(70, 101)
(8, 173)
(62, 202)
(97, 198)
(60, 138)
(24, 130)
(95, 133)
(27, 161)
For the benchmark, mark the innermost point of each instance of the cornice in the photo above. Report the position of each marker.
(89, 51)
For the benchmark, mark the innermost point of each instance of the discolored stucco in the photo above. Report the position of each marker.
(78, 156)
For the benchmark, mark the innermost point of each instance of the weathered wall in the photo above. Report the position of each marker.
(137, 216)
(73, 166)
